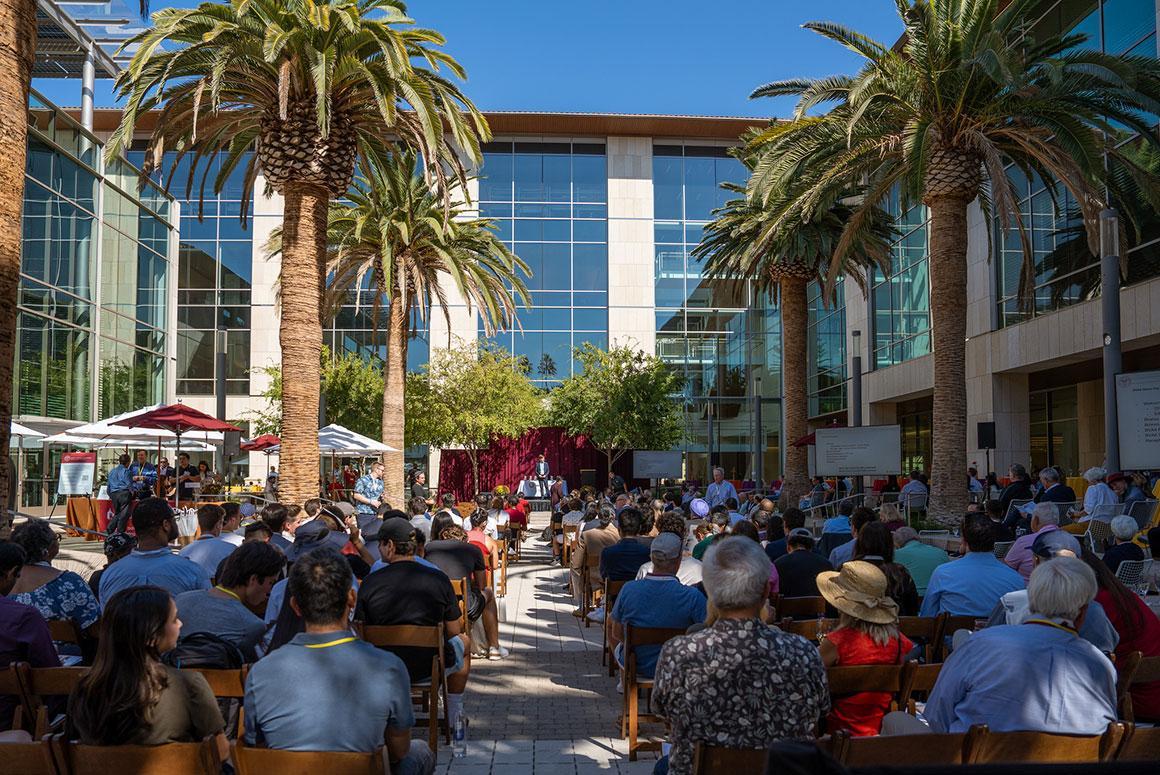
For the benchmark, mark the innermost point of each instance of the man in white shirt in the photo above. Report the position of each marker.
(720, 490)
(209, 549)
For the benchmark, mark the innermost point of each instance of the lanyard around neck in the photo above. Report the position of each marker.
(1056, 625)
(229, 592)
(330, 643)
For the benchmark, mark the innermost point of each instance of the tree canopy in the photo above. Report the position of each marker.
(622, 399)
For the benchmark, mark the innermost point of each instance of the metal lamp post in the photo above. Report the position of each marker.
(1110, 310)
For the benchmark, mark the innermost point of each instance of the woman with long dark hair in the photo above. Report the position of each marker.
(129, 697)
(875, 544)
(1138, 627)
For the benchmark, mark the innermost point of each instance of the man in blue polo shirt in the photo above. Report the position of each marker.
(974, 583)
(657, 600)
(623, 559)
(313, 694)
(153, 561)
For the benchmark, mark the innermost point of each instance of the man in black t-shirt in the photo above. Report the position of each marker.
(797, 571)
(186, 475)
(459, 559)
(406, 592)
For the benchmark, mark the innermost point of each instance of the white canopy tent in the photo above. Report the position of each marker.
(335, 440)
(20, 434)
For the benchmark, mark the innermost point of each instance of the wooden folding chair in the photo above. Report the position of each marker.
(12, 685)
(187, 758)
(425, 693)
(807, 628)
(923, 629)
(899, 750)
(227, 685)
(1140, 744)
(799, 607)
(39, 685)
(1125, 669)
(1147, 670)
(1045, 747)
(501, 585)
(33, 758)
(571, 533)
(64, 631)
(608, 599)
(630, 718)
(856, 679)
(460, 587)
(951, 625)
(918, 679)
(718, 760)
(260, 761)
(590, 589)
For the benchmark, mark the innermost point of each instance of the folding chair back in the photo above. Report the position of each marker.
(12, 685)
(571, 533)
(865, 678)
(1136, 575)
(1002, 547)
(635, 637)
(64, 631)
(187, 758)
(226, 685)
(27, 759)
(715, 759)
(427, 693)
(1013, 512)
(1133, 670)
(800, 607)
(41, 684)
(807, 628)
(460, 587)
(899, 750)
(951, 625)
(1140, 744)
(1099, 530)
(260, 761)
(607, 600)
(918, 679)
(1045, 747)
(1144, 512)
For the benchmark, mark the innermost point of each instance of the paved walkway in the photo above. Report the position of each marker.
(551, 706)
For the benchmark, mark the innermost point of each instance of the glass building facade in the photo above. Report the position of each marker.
(723, 338)
(93, 321)
(900, 299)
(826, 351)
(550, 203)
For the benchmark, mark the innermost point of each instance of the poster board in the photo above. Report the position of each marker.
(1138, 419)
(872, 450)
(76, 473)
(656, 465)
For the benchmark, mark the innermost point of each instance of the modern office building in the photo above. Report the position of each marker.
(605, 209)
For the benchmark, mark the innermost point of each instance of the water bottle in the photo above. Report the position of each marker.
(459, 737)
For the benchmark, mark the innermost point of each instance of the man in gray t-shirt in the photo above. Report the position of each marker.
(246, 578)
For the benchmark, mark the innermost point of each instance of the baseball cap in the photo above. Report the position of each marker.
(1055, 543)
(396, 529)
(119, 542)
(800, 532)
(666, 546)
(699, 507)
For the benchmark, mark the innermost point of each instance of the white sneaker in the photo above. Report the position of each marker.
(496, 653)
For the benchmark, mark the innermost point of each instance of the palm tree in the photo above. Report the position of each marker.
(394, 228)
(741, 243)
(968, 91)
(312, 85)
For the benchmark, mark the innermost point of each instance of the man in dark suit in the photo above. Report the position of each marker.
(1018, 489)
(1054, 491)
(541, 476)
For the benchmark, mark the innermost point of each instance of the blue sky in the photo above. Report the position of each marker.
(631, 56)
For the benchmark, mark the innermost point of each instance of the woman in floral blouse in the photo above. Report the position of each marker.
(56, 594)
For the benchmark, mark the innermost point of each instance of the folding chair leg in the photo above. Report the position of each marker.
(633, 721)
(433, 719)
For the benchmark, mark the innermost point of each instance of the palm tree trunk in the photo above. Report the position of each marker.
(300, 335)
(17, 44)
(948, 294)
(795, 480)
(394, 387)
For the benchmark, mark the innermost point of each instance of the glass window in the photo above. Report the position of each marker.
(1126, 23)
(497, 177)
(668, 188)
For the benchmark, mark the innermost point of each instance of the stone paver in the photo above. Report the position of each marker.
(551, 706)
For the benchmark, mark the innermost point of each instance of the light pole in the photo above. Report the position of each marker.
(1110, 309)
(759, 440)
(856, 390)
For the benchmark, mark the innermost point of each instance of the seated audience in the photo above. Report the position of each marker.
(128, 697)
(458, 559)
(889, 515)
(867, 634)
(24, 635)
(1124, 530)
(153, 561)
(875, 545)
(791, 519)
(738, 682)
(1044, 518)
(918, 558)
(657, 600)
(1014, 607)
(996, 511)
(1097, 493)
(1019, 489)
(478, 537)
(1138, 628)
(844, 552)
(797, 572)
(1127, 489)
(689, 572)
(257, 532)
(275, 517)
(972, 584)
(840, 523)
(419, 516)
(56, 594)
(718, 525)
(210, 549)
(1052, 489)
(301, 696)
(1038, 676)
(622, 560)
(404, 591)
(592, 541)
(231, 526)
(117, 547)
(244, 586)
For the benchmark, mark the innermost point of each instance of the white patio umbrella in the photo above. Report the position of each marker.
(17, 436)
(337, 441)
(107, 429)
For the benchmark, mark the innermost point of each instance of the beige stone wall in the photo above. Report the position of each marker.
(631, 296)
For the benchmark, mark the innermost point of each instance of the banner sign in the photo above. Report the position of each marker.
(76, 473)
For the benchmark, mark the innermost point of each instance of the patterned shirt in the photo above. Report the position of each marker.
(741, 684)
(65, 597)
(370, 488)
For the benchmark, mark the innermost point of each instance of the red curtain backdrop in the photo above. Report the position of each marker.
(508, 461)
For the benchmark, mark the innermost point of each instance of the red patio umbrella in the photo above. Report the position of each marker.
(261, 443)
(177, 419)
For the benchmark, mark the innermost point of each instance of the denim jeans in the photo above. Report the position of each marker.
(418, 761)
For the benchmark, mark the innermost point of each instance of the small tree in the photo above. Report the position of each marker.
(352, 386)
(622, 399)
(466, 397)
